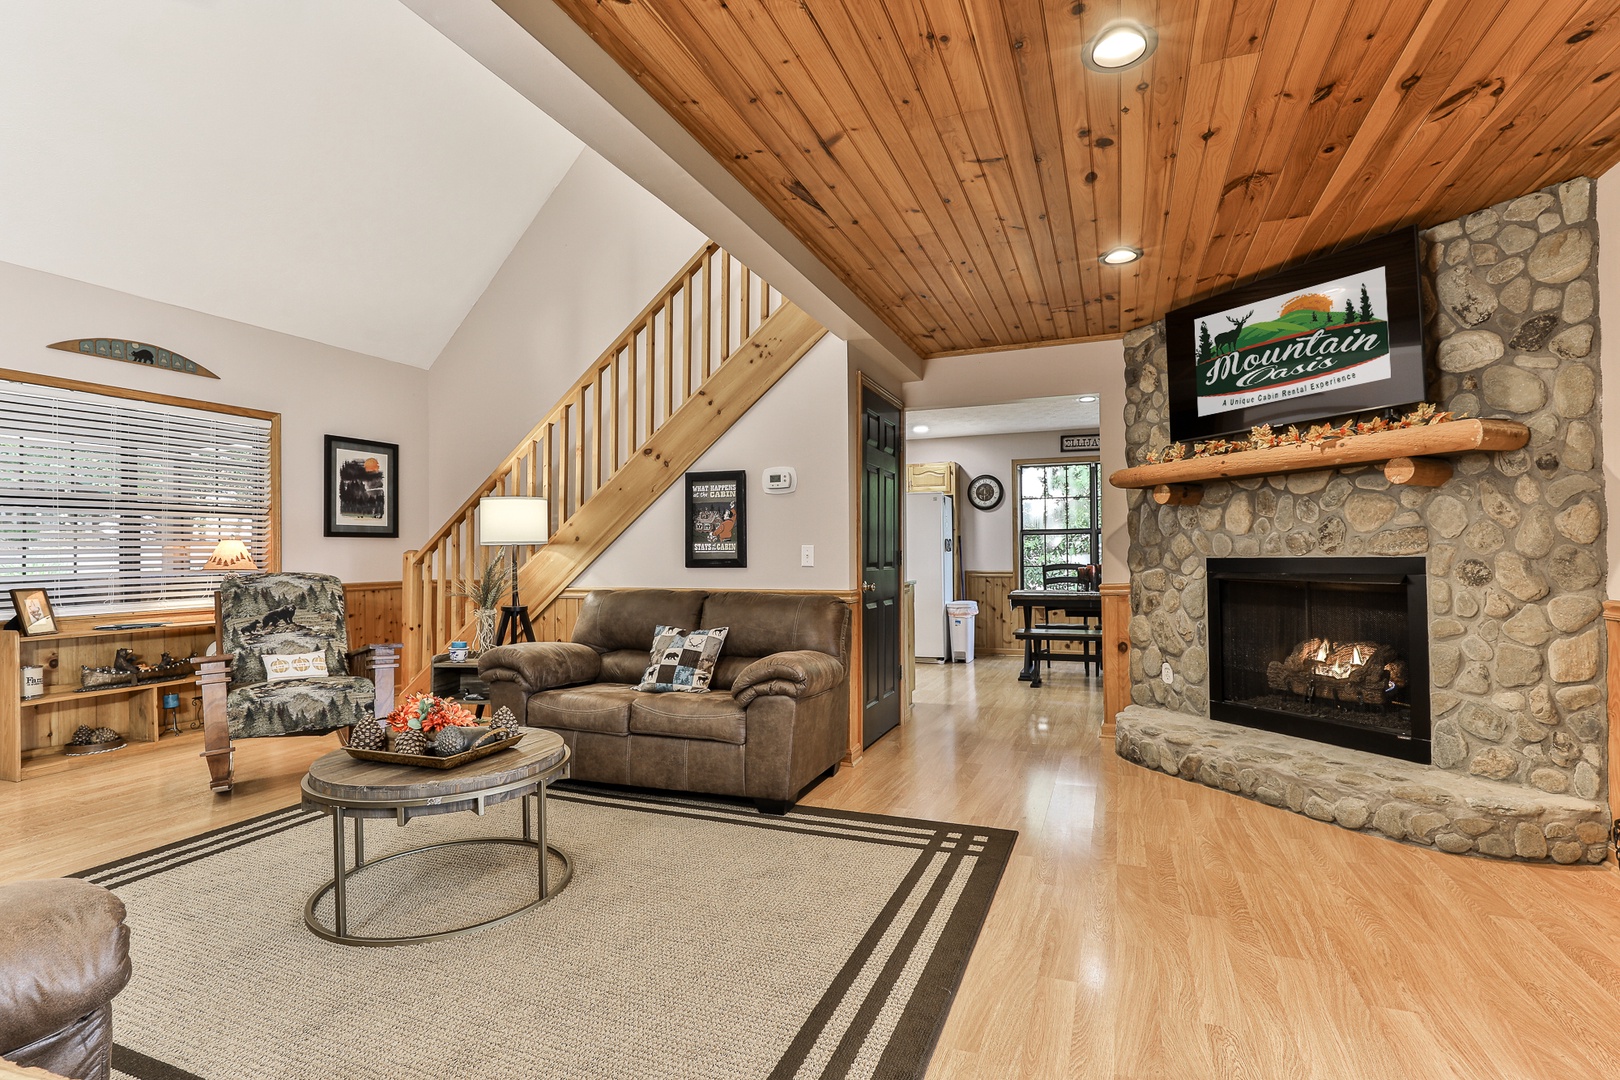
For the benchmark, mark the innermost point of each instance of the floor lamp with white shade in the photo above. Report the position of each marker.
(513, 521)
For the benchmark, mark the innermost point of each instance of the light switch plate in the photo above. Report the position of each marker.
(807, 555)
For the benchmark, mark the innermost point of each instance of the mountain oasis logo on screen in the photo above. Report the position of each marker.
(1333, 336)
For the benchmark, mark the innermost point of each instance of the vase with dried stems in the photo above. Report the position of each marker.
(486, 593)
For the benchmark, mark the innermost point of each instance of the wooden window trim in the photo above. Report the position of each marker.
(273, 556)
(1018, 499)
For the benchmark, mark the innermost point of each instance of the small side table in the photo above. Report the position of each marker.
(349, 787)
(447, 677)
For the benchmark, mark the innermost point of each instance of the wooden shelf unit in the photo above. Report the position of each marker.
(1409, 456)
(33, 731)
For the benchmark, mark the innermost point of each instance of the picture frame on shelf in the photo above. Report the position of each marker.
(716, 519)
(361, 488)
(34, 615)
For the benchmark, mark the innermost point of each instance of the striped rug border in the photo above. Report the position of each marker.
(943, 850)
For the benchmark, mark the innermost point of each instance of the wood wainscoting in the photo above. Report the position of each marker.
(374, 611)
(1116, 646)
(1611, 624)
(993, 630)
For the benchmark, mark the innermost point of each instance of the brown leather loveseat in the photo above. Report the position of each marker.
(64, 954)
(775, 719)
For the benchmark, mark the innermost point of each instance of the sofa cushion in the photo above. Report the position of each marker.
(623, 666)
(626, 618)
(716, 717)
(602, 707)
(682, 660)
(765, 623)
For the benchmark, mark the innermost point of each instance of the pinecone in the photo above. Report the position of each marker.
(451, 740)
(410, 741)
(83, 736)
(505, 719)
(368, 735)
(104, 734)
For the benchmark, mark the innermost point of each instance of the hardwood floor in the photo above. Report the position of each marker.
(1147, 927)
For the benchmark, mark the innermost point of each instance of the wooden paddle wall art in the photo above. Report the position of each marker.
(134, 352)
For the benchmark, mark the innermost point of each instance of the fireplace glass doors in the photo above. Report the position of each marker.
(1334, 650)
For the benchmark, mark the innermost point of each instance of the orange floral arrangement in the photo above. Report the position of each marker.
(427, 714)
(1263, 438)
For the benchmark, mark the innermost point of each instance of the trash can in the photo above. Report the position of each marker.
(962, 614)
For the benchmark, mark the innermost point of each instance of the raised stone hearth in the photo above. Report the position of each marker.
(1365, 792)
(1512, 545)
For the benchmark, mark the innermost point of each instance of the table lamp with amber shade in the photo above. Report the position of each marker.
(231, 555)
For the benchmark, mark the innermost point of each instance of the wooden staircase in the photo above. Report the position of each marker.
(710, 345)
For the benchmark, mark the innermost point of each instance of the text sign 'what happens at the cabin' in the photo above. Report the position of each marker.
(1335, 335)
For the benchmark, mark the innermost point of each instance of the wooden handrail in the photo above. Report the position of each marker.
(659, 362)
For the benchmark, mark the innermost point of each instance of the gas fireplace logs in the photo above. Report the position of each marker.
(1361, 672)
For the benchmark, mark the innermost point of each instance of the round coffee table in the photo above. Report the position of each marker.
(348, 787)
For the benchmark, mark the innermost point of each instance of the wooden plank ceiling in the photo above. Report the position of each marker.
(961, 169)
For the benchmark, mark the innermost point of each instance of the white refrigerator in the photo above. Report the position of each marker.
(931, 563)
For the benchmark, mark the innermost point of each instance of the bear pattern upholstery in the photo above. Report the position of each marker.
(267, 614)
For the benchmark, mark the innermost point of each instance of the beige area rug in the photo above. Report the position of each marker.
(697, 939)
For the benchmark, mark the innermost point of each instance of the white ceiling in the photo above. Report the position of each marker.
(333, 169)
(1033, 414)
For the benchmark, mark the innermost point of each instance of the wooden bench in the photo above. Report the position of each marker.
(1041, 639)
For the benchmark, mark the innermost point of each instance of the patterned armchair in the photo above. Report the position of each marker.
(261, 617)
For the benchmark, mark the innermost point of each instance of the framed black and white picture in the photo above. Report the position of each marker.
(362, 487)
(716, 519)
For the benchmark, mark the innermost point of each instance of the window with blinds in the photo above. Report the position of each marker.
(112, 504)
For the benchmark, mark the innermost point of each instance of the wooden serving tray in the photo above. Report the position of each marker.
(431, 761)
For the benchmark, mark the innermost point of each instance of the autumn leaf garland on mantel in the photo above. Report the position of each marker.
(1263, 438)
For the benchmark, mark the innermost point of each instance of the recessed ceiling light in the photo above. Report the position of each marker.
(920, 429)
(1089, 397)
(1121, 255)
(1120, 45)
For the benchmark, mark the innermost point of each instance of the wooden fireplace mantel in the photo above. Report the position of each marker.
(1408, 455)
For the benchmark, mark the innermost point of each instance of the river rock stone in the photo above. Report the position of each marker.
(1572, 344)
(1469, 297)
(1574, 391)
(1533, 333)
(1527, 207)
(1529, 627)
(1578, 302)
(1560, 256)
(1536, 537)
(1495, 763)
(1367, 512)
(1575, 199)
(1519, 578)
(1569, 613)
(1513, 389)
(1517, 665)
(1447, 516)
(1581, 523)
(1573, 659)
(1470, 350)
(1516, 238)
(1572, 569)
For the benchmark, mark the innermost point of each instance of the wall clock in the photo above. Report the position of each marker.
(985, 492)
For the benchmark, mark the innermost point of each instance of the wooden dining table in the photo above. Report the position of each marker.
(1038, 641)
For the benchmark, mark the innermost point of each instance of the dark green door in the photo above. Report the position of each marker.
(880, 565)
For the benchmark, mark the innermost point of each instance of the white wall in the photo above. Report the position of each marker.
(1092, 368)
(318, 389)
(1608, 229)
(987, 535)
(598, 250)
(803, 421)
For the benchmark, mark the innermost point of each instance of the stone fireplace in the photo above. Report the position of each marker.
(1509, 551)
(1335, 650)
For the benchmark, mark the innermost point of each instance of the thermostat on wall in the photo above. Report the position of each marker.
(780, 479)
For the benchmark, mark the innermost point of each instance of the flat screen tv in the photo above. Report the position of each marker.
(1340, 333)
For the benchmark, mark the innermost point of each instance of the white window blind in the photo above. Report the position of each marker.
(111, 504)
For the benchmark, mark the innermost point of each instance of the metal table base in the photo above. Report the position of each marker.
(534, 836)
